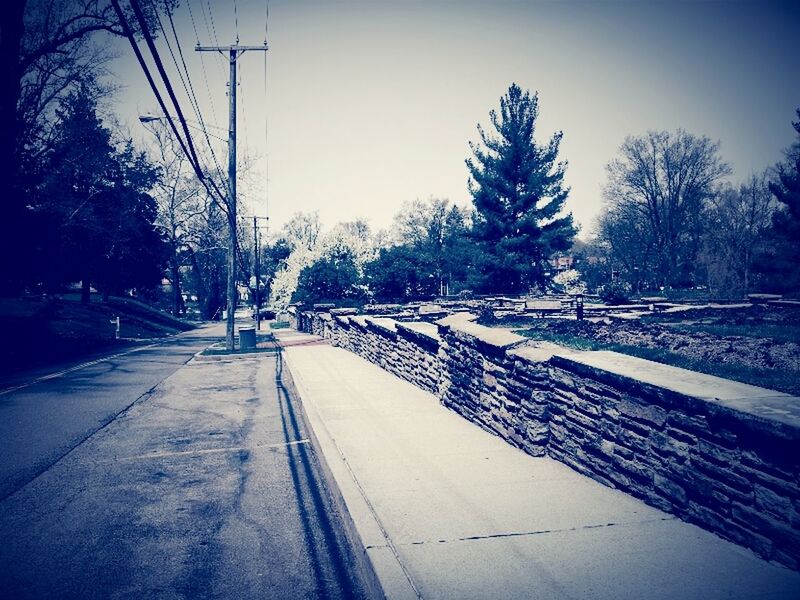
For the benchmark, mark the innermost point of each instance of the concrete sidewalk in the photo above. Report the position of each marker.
(444, 509)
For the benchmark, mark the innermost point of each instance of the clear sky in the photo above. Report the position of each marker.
(370, 104)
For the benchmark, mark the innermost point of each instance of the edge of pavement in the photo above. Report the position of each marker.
(380, 567)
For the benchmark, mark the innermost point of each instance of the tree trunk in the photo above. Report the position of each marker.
(200, 287)
(177, 297)
(11, 203)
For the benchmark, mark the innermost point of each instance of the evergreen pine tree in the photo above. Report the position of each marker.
(518, 191)
(787, 190)
(779, 264)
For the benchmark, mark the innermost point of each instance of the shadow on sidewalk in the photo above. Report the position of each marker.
(327, 551)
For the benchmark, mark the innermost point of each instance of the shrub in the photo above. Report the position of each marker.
(615, 292)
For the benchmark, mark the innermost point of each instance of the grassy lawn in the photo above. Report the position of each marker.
(774, 379)
(775, 331)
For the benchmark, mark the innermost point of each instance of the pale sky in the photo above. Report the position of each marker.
(370, 104)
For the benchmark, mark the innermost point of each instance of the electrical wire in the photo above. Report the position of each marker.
(189, 88)
(137, 11)
(185, 145)
(236, 19)
(202, 62)
(212, 34)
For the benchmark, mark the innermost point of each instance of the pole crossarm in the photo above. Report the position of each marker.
(234, 48)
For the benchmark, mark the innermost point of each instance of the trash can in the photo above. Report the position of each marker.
(247, 338)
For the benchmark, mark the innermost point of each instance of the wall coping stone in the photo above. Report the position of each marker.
(422, 328)
(389, 325)
(491, 336)
(741, 397)
(786, 303)
(539, 352)
(343, 319)
(325, 316)
(427, 309)
(361, 321)
(458, 317)
(400, 315)
(344, 311)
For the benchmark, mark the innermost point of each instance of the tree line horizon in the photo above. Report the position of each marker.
(669, 220)
(84, 204)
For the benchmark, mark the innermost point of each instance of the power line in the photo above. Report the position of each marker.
(190, 90)
(137, 11)
(212, 33)
(236, 19)
(266, 20)
(202, 62)
(266, 114)
(184, 144)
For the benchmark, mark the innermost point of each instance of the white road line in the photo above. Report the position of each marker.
(72, 369)
(209, 451)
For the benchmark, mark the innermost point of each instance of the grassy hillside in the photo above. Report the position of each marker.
(36, 331)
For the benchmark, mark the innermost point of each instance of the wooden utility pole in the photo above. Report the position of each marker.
(234, 52)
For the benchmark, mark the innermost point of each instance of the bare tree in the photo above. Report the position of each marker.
(627, 246)
(182, 201)
(660, 184)
(738, 220)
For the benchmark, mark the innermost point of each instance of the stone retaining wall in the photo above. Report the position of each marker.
(718, 453)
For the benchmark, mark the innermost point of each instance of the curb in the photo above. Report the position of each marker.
(379, 566)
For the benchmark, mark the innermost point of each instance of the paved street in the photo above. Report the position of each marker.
(137, 477)
(42, 422)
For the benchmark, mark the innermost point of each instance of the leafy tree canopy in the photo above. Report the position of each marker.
(94, 200)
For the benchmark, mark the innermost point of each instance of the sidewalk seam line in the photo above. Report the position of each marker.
(490, 536)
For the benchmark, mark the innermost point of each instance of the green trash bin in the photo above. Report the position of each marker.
(247, 338)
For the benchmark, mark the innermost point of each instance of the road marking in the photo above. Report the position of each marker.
(75, 368)
(210, 451)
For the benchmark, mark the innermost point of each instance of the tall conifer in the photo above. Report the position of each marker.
(518, 190)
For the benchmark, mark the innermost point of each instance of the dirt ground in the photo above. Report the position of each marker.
(683, 334)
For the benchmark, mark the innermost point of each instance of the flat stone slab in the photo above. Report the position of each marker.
(543, 305)
(785, 303)
(764, 297)
(444, 509)
(459, 317)
(493, 336)
(427, 329)
(760, 402)
(540, 351)
(383, 323)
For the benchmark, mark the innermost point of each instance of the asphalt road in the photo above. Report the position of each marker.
(41, 422)
(143, 478)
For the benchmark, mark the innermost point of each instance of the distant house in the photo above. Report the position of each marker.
(562, 263)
